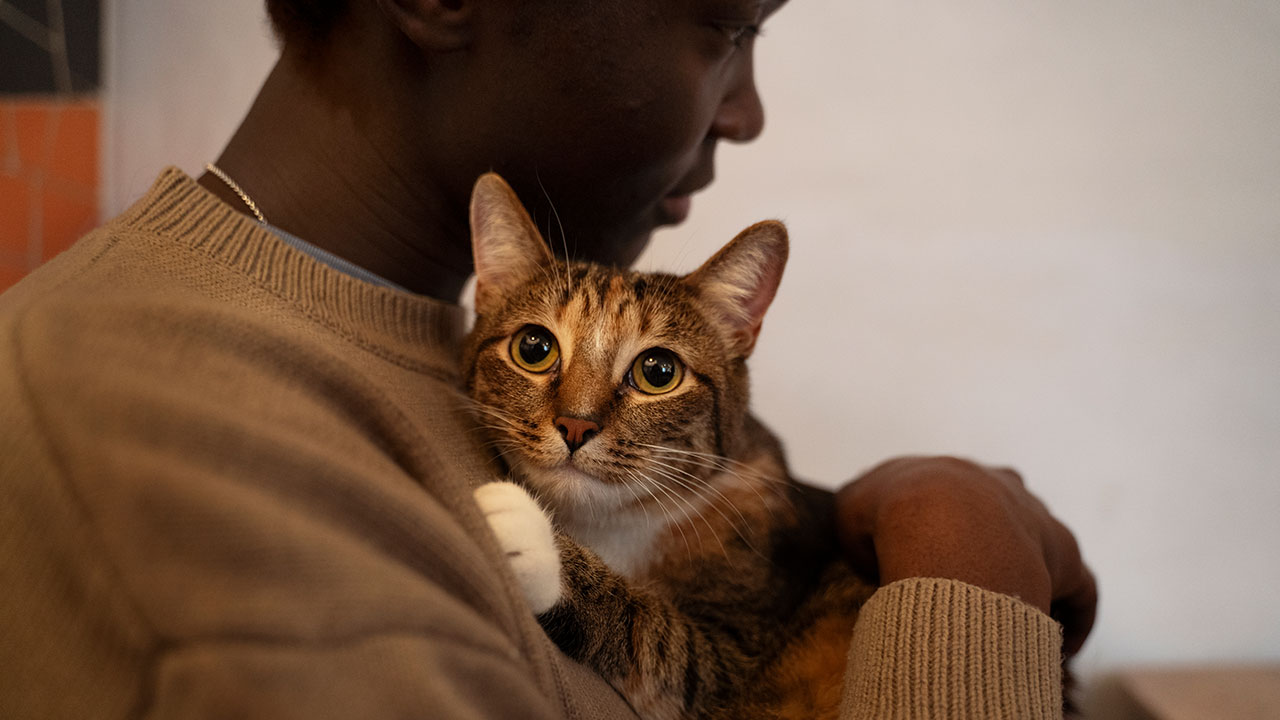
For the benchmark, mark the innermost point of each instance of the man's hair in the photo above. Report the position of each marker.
(305, 23)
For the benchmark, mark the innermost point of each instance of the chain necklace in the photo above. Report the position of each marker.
(235, 187)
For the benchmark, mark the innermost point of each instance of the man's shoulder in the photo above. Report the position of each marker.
(74, 319)
(114, 269)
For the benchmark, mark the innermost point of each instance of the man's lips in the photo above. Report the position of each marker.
(675, 206)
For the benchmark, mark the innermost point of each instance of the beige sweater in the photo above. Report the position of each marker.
(237, 483)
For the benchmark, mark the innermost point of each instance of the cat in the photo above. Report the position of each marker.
(653, 525)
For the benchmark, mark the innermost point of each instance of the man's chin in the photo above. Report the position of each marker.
(623, 248)
(674, 209)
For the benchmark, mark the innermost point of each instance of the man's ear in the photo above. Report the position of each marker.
(440, 25)
(506, 246)
(740, 280)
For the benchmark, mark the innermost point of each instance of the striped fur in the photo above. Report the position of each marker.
(697, 577)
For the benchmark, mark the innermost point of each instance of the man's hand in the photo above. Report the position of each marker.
(949, 518)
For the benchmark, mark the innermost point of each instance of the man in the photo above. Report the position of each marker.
(236, 468)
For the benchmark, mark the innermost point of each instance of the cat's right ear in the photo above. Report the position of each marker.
(740, 280)
(506, 246)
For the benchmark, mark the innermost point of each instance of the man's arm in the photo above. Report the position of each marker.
(950, 518)
(971, 567)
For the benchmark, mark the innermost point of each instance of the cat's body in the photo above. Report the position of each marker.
(683, 564)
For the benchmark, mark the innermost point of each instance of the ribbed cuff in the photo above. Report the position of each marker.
(930, 648)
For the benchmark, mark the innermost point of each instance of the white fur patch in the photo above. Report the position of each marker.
(524, 533)
(603, 517)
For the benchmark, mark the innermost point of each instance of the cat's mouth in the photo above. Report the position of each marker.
(568, 489)
(571, 469)
(580, 468)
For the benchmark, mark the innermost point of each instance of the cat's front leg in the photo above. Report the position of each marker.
(524, 532)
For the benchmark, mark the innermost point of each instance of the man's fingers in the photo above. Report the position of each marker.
(1075, 590)
(854, 519)
(860, 552)
(947, 517)
(1077, 611)
(1010, 475)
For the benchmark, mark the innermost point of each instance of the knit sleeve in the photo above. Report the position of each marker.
(390, 675)
(932, 648)
(202, 520)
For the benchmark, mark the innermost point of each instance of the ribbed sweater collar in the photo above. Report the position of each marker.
(414, 330)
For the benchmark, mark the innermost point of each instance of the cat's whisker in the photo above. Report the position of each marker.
(696, 485)
(551, 273)
(648, 525)
(662, 289)
(678, 498)
(699, 494)
(501, 432)
(754, 484)
(564, 240)
(712, 457)
(662, 488)
(486, 411)
(639, 479)
(498, 443)
(494, 422)
(477, 406)
(722, 465)
(748, 475)
(699, 490)
(692, 482)
(504, 450)
(505, 426)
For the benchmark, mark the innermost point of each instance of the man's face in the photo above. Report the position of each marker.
(606, 120)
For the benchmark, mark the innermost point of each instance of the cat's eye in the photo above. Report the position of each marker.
(534, 348)
(656, 371)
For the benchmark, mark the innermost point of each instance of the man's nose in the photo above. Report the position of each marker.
(740, 116)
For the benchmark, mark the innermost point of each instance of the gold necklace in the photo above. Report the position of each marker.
(235, 187)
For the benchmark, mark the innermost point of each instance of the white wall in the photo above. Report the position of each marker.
(1042, 234)
(178, 77)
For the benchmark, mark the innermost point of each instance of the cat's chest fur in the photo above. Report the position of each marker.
(627, 543)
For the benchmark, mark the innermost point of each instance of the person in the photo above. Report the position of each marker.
(236, 465)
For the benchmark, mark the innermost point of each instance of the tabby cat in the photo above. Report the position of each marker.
(679, 560)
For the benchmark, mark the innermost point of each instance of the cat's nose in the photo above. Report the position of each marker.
(576, 431)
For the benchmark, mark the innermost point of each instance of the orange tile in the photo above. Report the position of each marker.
(8, 139)
(75, 147)
(64, 219)
(10, 275)
(31, 120)
(15, 216)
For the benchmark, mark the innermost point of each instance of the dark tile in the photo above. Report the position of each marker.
(82, 20)
(27, 68)
(11, 271)
(37, 10)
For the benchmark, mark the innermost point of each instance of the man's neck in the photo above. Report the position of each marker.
(317, 171)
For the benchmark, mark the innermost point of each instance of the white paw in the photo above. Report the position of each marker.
(524, 533)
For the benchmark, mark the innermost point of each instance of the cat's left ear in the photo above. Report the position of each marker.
(505, 244)
(740, 280)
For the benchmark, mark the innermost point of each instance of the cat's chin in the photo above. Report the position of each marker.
(571, 494)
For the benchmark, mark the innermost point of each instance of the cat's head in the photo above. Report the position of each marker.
(598, 386)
